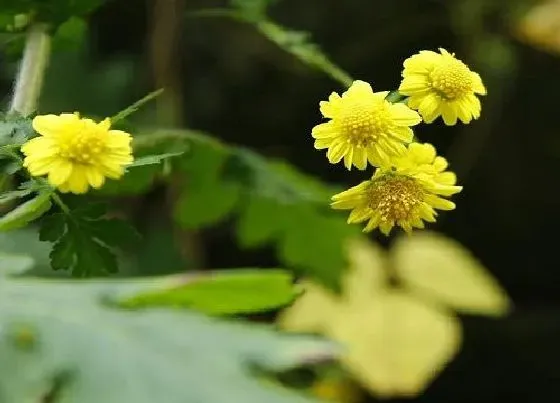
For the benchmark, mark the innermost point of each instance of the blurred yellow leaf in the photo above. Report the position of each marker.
(398, 344)
(367, 274)
(314, 309)
(443, 270)
(310, 312)
(397, 336)
(540, 27)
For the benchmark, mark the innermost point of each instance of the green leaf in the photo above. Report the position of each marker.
(50, 11)
(239, 291)
(299, 44)
(205, 199)
(136, 105)
(15, 130)
(65, 341)
(26, 212)
(52, 227)
(261, 221)
(70, 34)
(206, 205)
(252, 9)
(152, 159)
(316, 243)
(12, 195)
(84, 244)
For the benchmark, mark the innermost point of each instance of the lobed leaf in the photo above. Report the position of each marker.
(66, 343)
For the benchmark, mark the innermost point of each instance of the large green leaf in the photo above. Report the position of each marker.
(69, 343)
(239, 291)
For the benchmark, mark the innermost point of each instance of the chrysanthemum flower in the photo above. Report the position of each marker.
(363, 127)
(76, 153)
(404, 193)
(438, 84)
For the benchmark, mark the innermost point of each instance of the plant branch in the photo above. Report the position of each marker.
(31, 71)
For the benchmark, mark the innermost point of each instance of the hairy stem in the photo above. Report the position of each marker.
(31, 70)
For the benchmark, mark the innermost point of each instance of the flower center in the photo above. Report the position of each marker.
(452, 79)
(394, 197)
(82, 148)
(362, 123)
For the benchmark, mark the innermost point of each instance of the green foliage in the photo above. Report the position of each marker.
(239, 291)
(71, 346)
(26, 212)
(50, 11)
(14, 130)
(274, 203)
(252, 9)
(84, 241)
(299, 44)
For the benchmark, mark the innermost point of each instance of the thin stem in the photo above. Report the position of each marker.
(31, 71)
(60, 203)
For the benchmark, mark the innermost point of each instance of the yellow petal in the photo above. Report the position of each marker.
(77, 182)
(478, 86)
(358, 88)
(402, 115)
(52, 125)
(95, 177)
(59, 172)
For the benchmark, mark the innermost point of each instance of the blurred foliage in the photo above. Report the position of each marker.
(274, 202)
(66, 339)
(395, 315)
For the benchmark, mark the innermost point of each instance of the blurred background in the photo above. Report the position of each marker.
(224, 78)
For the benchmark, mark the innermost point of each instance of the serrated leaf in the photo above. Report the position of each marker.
(113, 232)
(26, 212)
(299, 44)
(443, 270)
(52, 227)
(86, 247)
(97, 353)
(239, 291)
(15, 130)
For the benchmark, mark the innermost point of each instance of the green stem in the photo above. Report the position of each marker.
(31, 71)
(60, 203)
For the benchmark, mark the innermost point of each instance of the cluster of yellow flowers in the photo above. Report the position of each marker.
(410, 181)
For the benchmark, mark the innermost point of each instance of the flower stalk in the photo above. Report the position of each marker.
(32, 68)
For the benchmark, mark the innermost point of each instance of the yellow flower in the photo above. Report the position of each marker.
(404, 193)
(76, 153)
(363, 127)
(438, 84)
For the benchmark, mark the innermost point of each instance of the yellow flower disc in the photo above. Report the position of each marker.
(76, 153)
(404, 193)
(363, 127)
(438, 84)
